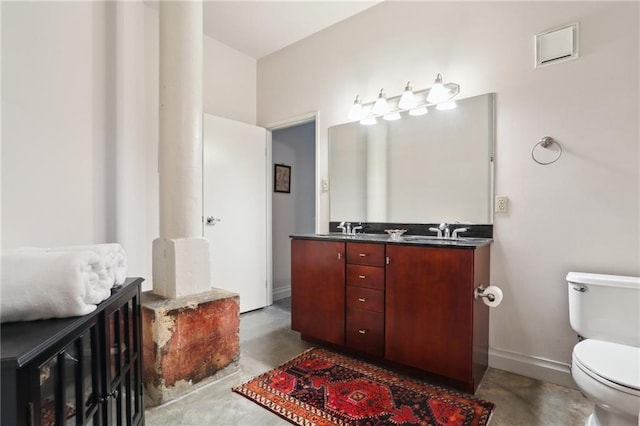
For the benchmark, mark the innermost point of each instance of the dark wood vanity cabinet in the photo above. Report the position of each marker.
(318, 289)
(410, 304)
(81, 370)
(365, 297)
(433, 321)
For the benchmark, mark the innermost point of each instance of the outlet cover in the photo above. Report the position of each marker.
(502, 204)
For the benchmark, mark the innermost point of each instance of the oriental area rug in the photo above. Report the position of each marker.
(322, 388)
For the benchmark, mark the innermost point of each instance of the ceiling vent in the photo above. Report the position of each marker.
(557, 45)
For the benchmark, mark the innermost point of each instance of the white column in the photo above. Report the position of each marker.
(180, 255)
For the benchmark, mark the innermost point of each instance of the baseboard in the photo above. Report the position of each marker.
(531, 366)
(281, 292)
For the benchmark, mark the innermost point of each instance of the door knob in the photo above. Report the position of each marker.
(213, 220)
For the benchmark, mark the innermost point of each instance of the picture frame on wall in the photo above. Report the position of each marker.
(282, 178)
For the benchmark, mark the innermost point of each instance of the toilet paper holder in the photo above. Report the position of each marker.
(479, 292)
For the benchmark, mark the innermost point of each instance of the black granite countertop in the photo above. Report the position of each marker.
(416, 240)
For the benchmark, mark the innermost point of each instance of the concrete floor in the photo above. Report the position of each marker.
(266, 341)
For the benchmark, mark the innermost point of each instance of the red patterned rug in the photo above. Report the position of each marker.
(319, 387)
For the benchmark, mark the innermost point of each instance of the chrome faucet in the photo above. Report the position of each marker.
(341, 226)
(436, 230)
(347, 229)
(444, 226)
(442, 230)
(457, 231)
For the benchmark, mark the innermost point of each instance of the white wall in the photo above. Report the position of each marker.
(79, 149)
(54, 123)
(293, 213)
(581, 213)
(230, 79)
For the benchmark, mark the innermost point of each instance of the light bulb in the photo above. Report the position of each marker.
(356, 112)
(446, 105)
(408, 99)
(368, 121)
(381, 106)
(438, 93)
(418, 111)
(392, 116)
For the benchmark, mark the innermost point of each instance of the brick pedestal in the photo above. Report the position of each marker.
(188, 342)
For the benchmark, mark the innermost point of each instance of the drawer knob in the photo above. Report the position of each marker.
(362, 277)
(361, 299)
(362, 331)
(363, 254)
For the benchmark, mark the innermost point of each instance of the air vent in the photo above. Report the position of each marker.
(557, 45)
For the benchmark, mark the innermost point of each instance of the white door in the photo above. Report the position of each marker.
(235, 208)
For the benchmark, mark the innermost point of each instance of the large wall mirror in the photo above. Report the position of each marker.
(432, 168)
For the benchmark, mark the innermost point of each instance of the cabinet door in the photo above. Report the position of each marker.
(123, 390)
(429, 297)
(68, 384)
(365, 331)
(318, 289)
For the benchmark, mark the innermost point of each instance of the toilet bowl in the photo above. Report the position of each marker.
(605, 310)
(609, 376)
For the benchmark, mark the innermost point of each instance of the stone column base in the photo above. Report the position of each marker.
(188, 342)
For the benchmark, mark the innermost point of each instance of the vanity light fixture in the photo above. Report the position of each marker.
(368, 121)
(392, 116)
(356, 112)
(414, 102)
(408, 98)
(444, 106)
(381, 106)
(442, 92)
(418, 111)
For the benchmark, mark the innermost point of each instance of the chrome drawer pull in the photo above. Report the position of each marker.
(362, 331)
(362, 277)
(362, 254)
(361, 299)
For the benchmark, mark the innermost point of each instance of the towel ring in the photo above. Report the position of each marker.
(545, 143)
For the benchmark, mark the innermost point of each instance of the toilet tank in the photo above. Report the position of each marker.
(605, 307)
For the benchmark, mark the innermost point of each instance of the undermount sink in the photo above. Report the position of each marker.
(419, 237)
(353, 236)
(434, 239)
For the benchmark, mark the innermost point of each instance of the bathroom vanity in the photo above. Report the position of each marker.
(409, 302)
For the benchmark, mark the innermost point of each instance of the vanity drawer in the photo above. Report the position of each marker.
(365, 276)
(365, 298)
(365, 331)
(365, 254)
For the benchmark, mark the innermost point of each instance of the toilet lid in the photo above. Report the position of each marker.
(617, 363)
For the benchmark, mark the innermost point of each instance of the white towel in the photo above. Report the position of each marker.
(115, 260)
(38, 284)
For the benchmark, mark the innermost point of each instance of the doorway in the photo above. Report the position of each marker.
(293, 212)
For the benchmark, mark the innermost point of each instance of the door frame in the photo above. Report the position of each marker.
(278, 125)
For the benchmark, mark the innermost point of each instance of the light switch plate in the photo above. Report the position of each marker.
(325, 184)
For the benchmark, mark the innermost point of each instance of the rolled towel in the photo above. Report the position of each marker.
(39, 285)
(114, 256)
(97, 290)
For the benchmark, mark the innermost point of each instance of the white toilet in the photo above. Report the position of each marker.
(605, 311)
